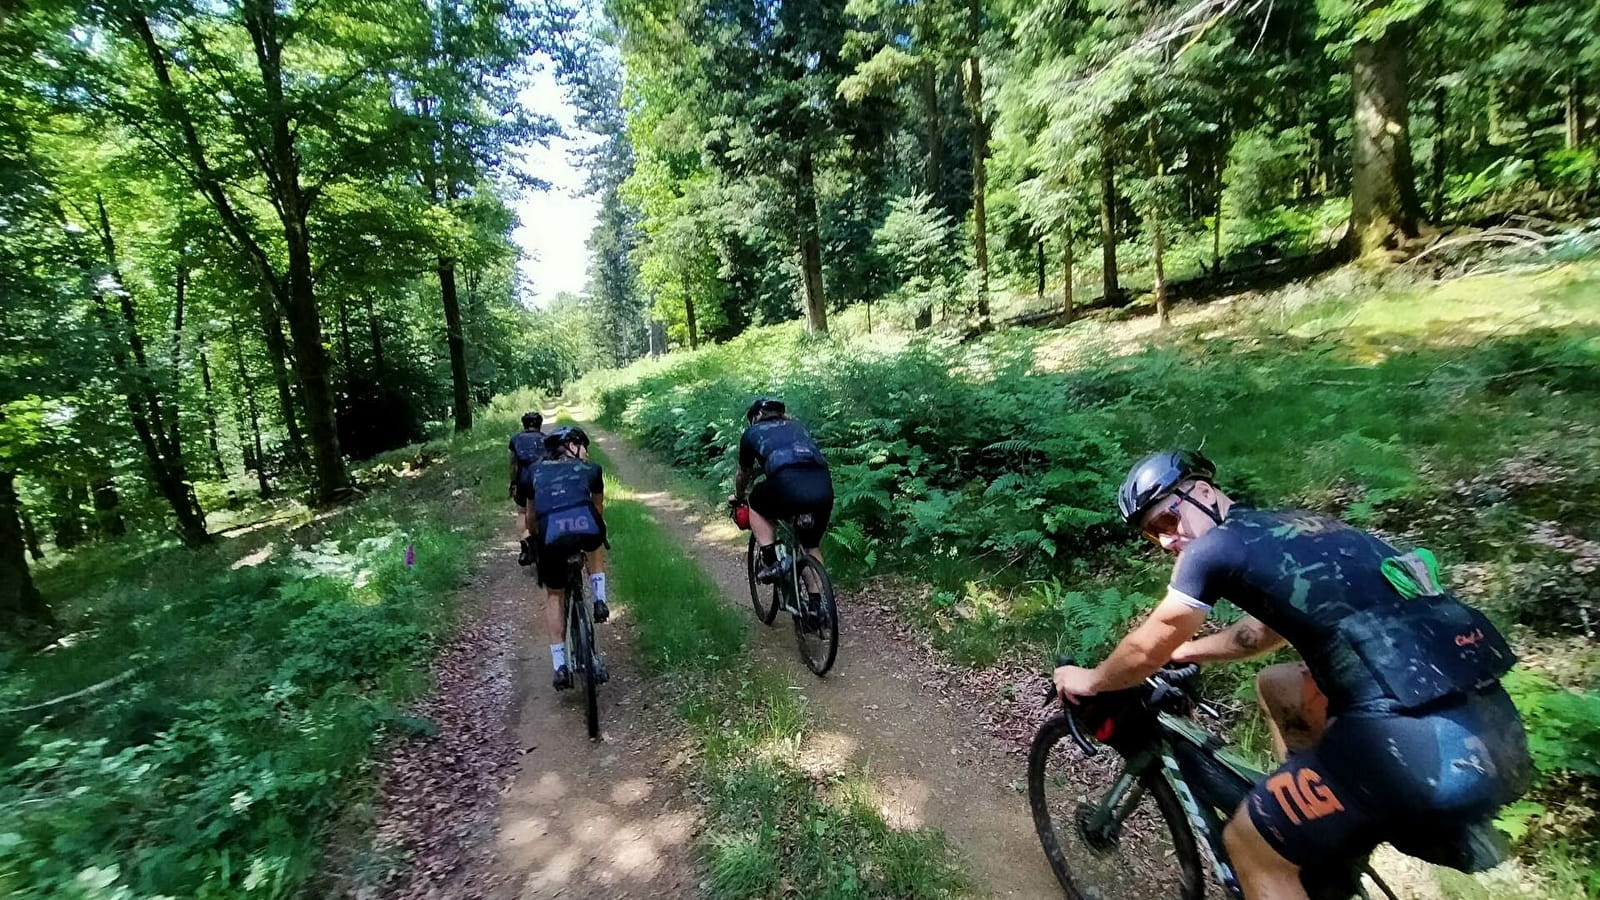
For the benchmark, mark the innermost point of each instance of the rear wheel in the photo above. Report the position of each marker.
(1109, 835)
(582, 659)
(766, 610)
(817, 626)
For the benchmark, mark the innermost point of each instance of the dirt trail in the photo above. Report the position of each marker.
(933, 764)
(590, 819)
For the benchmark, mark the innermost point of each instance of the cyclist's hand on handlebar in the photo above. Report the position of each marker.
(1075, 683)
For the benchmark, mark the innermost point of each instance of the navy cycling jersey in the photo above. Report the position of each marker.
(560, 484)
(528, 447)
(777, 444)
(1319, 583)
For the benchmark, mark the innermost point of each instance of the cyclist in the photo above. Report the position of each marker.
(527, 449)
(796, 484)
(568, 511)
(1394, 728)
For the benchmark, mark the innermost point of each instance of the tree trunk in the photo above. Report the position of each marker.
(1157, 241)
(278, 356)
(933, 176)
(1157, 235)
(810, 245)
(24, 616)
(1216, 221)
(980, 153)
(1108, 226)
(66, 514)
(180, 289)
(211, 411)
(1066, 272)
(376, 330)
(248, 389)
(1575, 113)
(1384, 209)
(1440, 156)
(162, 453)
(688, 315)
(30, 536)
(108, 521)
(293, 204)
(344, 335)
(458, 345)
(1040, 266)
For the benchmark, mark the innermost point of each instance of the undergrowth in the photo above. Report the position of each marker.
(1464, 417)
(257, 679)
(771, 828)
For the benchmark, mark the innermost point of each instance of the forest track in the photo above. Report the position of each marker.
(932, 763)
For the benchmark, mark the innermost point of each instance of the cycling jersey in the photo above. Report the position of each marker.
(564, 514)
(528, 448)
(1319, 583)
(777, 444)
(1420, 734)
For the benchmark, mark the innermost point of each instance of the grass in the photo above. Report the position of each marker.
(772, 828)
(265, 673)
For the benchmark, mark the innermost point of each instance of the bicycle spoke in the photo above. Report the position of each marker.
(1113, 840)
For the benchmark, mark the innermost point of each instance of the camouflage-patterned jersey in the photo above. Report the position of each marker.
(1319, 583)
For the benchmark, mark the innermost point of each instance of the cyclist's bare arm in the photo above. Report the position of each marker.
(1245, 638)
(741, 480)
(1150, 645)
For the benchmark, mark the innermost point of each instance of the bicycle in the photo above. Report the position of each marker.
(583, 660)
(816, 622)
(1195, 783)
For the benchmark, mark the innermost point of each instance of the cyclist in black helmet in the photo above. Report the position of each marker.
(1394, 728)
(795, 485)
(568, 511)
(527, 449)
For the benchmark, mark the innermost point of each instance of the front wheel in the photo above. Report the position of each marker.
(817, 624)
(768, 610)
(1109, 834)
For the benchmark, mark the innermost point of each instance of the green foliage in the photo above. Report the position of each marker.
(259, 689)
(1563, 726)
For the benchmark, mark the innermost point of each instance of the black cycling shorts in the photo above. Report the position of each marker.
(1381, 778)
(788, 493)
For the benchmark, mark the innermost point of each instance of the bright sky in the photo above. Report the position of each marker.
(553, 225)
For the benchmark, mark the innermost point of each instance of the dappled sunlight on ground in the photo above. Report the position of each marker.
(254, 559)
(826, 752)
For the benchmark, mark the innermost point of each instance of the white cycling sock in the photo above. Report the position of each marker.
(597, 581)
(558, 655)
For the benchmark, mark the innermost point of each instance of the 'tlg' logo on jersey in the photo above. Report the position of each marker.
(1303, 795)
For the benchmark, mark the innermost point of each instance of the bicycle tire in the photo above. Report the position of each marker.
(583, 661)
(819, 648)
(1190, 874)
(752, 561)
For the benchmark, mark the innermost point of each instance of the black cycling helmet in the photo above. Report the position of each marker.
(764, 405)
(532, 420)
(566, 434)
(1156, 476)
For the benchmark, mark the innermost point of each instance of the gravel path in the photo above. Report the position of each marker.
(931, 754)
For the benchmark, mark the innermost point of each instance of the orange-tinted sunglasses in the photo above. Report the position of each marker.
(1164, 522)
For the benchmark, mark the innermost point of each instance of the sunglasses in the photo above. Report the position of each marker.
(1164, 522)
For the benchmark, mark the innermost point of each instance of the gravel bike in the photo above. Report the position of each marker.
(583, 659)
(802, 589)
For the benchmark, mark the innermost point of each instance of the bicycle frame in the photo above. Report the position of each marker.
(784, 532)
(1209, 784)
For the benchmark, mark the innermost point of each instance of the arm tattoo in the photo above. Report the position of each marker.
(1250, 635)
